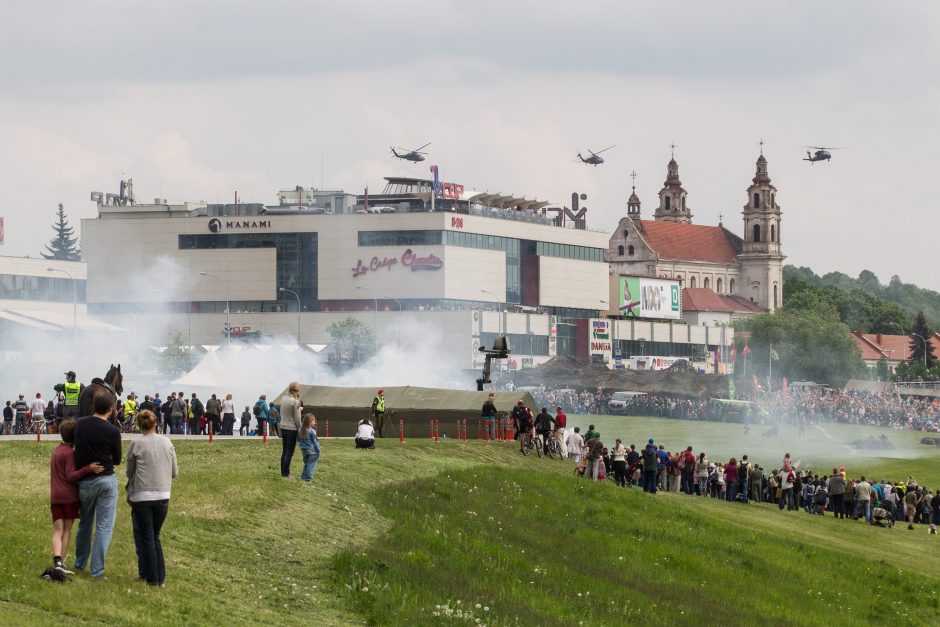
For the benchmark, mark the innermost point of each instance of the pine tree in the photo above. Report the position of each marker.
(920, 340)
(63, 245)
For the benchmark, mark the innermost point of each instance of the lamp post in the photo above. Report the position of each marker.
(74, 305)
(399, 318)
(284, 289)
(375, 315)
(915, 335)
(228, 307)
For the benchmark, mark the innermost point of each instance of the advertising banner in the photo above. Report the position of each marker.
(642, 297)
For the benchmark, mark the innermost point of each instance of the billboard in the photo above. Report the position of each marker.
(641, 297)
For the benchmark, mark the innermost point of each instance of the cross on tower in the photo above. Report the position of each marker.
(673, 147)
(761, 142)
(633, 176)
(720, 217)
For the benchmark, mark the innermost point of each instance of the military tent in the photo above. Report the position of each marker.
(345, 407)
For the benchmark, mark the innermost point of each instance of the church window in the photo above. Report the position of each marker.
(668, 203)
(718, 285)
(773, 233)
(630, 249)
(775, 296)
(756, 201)
(773, 200)
(731, 286)
(756, 232)
(683, 202)
(705, 283)
(626, 233)
(620, 251)
(692, 282)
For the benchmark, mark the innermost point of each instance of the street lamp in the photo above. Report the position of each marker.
(74, 305)
(284, 289)
(915, 335)
(375, 315)
(228, 307)
(399, 317)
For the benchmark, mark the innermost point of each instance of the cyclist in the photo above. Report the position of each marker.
(543, 427)
(521, 419)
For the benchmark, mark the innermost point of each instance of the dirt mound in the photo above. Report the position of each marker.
(566, 372)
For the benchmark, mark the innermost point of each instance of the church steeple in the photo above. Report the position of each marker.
(633, 204)
(762, 259)
(672, 207)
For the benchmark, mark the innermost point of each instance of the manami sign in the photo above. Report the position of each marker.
(641, 297)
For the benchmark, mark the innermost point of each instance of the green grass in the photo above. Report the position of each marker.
(244, 546)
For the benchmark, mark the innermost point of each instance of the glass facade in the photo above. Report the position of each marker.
(40, 288)
(296, 255)
(520, 344)
(569, 251)
(400, 238)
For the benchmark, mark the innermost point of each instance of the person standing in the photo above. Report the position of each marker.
(488, 413)
(836, 489)
(309, 446)
(649, 467)
(151, 468)
(180, 414)
(228, 415)
(245, 426)
(619, 455)
(561, 424)
(595, 450)
(744, 479)
(72, 391)
(575, 444)
(863, 500)
(260, 411)
(210, 411)
(97, 440)
(378, 411)
(8, 419)
(20, 407)
(130, 409)
(37, 408)
(290, 425)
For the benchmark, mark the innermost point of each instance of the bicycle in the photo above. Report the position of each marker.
(553, 448)
(528, 441)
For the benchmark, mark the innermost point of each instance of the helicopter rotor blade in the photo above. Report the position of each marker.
(421, 148)
(604, 150)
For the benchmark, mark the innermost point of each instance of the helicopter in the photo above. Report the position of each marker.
(595, 159)
(411, 155)
(821, 154)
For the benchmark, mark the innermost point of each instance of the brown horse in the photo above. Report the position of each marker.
(112, 385)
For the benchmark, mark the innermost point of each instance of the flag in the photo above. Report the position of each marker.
(773, 353)
(746, 351)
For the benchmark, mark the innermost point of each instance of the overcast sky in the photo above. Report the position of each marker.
(195, 99)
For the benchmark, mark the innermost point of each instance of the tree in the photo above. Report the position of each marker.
(63, 245)
(353, 342)
(178, 358)
(920, 341)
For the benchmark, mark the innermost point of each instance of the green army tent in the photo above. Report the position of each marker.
(345, 407)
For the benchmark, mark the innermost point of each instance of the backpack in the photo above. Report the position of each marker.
(257, 409)
(681, 464)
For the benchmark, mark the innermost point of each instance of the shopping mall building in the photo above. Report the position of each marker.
(460, 266)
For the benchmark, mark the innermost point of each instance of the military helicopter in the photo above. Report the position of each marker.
(821, 154)
(411, 155)
(595, 159)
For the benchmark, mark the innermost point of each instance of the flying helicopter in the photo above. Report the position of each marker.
(595, 159)
(821, 154)
(411, 155)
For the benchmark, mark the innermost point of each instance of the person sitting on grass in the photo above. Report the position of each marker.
(365, 434)
(64, 499)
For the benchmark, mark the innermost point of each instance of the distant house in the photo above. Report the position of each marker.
(894, 349)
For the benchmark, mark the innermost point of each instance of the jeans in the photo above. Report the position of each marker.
(732, 490)
(687, 480)
(310, 465)
(99, 496)
(20, 424)
(178, 425)
(149, 517)
(289, 443)
(745, 490)
(836, 505)
(863, 508)
(595, 467)
(649, 481)
(228, 424)
(786, 498)
(7, 427)
(490, 427)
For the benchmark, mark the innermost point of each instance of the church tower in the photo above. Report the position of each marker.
(633, 203)
(672, 207)
(762, 259)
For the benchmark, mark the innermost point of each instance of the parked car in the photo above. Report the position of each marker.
(620, 402)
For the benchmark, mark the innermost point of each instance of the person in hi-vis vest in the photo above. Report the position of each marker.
(378, 411)
(71, 390)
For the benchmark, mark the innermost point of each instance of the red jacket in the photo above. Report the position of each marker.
(561, 420)
(64, 477)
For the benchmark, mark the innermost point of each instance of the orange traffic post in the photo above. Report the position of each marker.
(437, 427)
(264, 432)
(326, 432)
(479, 434)
(210, 432)
(401, 431)
(38, 440)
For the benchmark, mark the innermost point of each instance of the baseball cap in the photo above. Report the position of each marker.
(70, 373)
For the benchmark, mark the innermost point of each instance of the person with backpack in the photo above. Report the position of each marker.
(260, 411)
(179, 413)
(744, 479)
(197, 411)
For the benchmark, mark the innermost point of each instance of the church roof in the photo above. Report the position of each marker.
(705, 299)
(691, 242)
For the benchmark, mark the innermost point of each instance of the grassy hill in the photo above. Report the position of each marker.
(388, 536)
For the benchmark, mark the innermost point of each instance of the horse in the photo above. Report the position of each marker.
(112, 384)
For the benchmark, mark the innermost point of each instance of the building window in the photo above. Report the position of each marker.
(668, 203)
(683, 202)
(731, 286)
(773, 200)
(630, 249)
(620, 250)
(400, 238)
(718, 285)
(773, 234)
(626, 233)
(692, 282)
(705, 283)
(775, 296)
(756, 232)
(757, 201)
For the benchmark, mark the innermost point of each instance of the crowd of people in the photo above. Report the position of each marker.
(653, 468)
(810, 405)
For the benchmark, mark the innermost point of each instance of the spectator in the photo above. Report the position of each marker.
(290, 424)
(309, 446)
(575, 444)
(365, 435)
(245, 426)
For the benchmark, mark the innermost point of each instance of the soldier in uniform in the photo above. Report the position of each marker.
(378, 411)
(71, 390)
